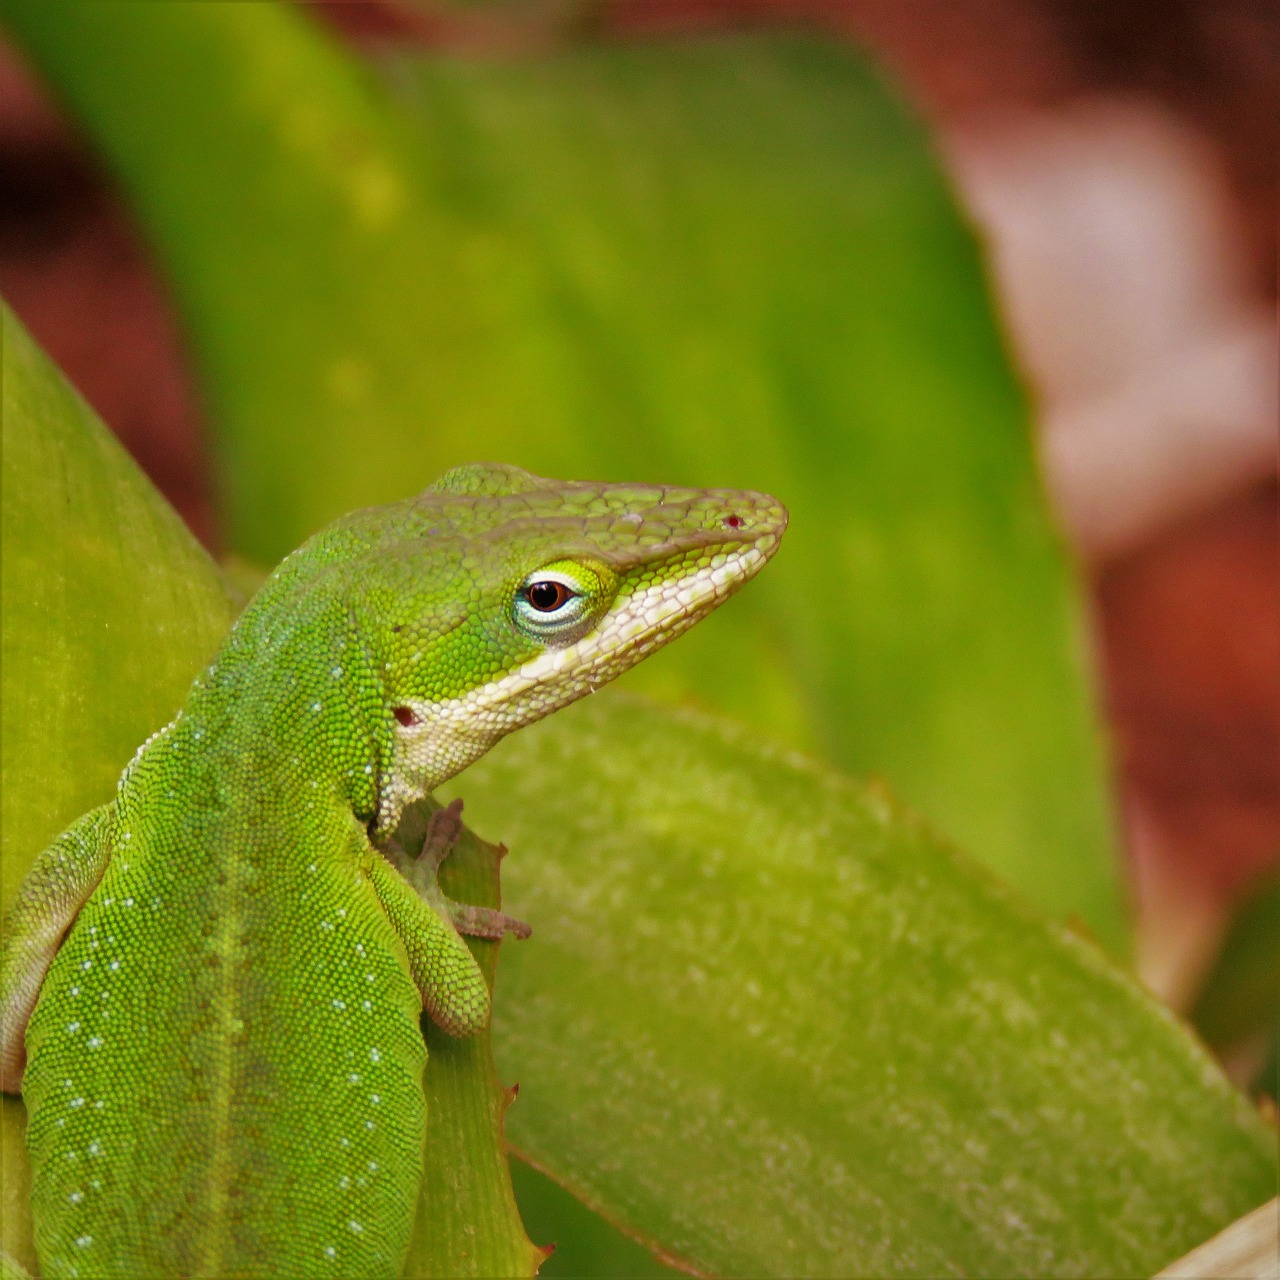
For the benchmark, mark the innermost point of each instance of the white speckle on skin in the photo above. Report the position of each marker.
(76, 1103)
(95, 1042)
(315, 706)
(355, 1227)
(72, 1028)
(353, 1078)
(84, 1241)
(366, 1004)
(115, 964)
(95, 1148)
(368, 1124)
(75, 991)
(76, 1196)
(372, 1166)
(339, 1004)
(330, 1251)
(374, 1055)
(375, 1098)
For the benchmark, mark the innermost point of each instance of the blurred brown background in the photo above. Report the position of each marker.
(1119, 161)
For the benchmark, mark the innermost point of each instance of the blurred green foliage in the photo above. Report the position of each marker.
(715, 262)
(1240, 999)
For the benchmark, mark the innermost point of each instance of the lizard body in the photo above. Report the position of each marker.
(220, 973)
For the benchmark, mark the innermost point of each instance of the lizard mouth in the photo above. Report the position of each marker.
(677, 556)
(643, 618)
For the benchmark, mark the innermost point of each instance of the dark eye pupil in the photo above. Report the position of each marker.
(546, 597)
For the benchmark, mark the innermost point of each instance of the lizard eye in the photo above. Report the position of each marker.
(551, 600)
(546, 595)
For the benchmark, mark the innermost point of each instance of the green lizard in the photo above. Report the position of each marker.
(215, 980)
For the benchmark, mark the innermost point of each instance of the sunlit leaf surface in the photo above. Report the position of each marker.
(101, 579)
(773, 1024)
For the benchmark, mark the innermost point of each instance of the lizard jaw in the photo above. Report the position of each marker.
(442, 738)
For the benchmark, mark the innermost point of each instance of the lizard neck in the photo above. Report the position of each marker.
(288, 709)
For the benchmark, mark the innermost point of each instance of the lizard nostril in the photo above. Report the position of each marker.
(405, 716)
(733, 522)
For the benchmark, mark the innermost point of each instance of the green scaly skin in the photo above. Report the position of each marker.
(220, 973)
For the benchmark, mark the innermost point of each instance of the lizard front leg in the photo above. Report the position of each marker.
(454, 991)
(421, 870)
(57, 886)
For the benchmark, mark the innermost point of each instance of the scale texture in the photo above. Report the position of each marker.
(223, 1065)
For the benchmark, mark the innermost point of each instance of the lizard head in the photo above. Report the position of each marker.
(519, 595)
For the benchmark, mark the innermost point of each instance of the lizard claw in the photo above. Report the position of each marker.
(421, 870)
(484, 922)
(443, 829)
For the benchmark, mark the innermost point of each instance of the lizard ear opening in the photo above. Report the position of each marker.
(405, 716)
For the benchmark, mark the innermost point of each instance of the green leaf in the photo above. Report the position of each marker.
(102, 580)
(719, 262)
(468, 1223)
(771, 1022)
(1241, 997)
(110, 608)
(586, 1246)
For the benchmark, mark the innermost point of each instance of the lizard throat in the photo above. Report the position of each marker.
(450, 735)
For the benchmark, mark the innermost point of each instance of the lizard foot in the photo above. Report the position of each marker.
(444, 827)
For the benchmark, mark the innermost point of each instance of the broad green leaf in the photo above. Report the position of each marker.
(774, 1024)
(102, 580)
(721, 262)
(110, 607)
